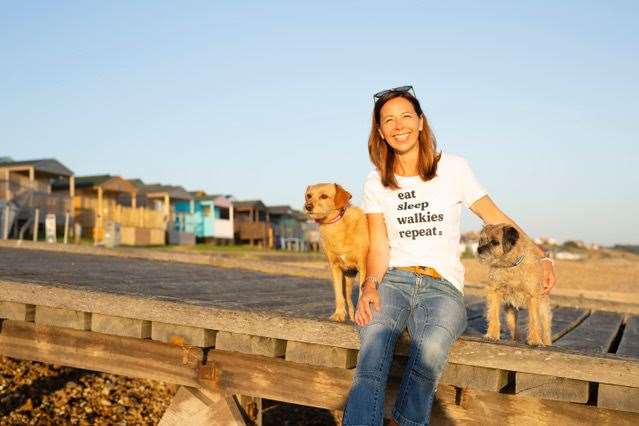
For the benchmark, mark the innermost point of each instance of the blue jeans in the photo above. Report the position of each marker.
(433, 309)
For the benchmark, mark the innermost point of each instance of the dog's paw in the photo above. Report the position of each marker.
(492, 336)
(339, 316)
(534, 342)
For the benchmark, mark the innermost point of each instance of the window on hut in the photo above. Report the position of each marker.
(224, 213)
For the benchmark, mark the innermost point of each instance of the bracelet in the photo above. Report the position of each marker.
(552, 262)
(373, 279)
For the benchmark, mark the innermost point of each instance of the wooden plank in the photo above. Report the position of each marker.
(100, 352)
(261, 376)
(195, 407)
(465, 376)
(550, 361)
(617, 397)
(328, 388)
(467, 350)
(549, 386)
(182, 334)
(327, 356)
(248, 344)
(17, 311)
(594, 335)
(462, 376)
(59, 317)
(629, 344)
(623, 397)
(578, 299)
(478, 407)
(119, 326)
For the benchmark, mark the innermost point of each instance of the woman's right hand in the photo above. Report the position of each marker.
(364, 314)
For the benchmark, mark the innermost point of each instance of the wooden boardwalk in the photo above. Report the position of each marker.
(268, 335)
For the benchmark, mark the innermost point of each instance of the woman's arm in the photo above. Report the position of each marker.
(376, 264)
(486, 209)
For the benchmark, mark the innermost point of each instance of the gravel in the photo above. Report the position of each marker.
(34, 393)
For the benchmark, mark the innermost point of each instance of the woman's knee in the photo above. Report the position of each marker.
(433, 352)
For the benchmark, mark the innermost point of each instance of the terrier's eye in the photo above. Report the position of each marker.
(323, 196)
(308, 196)
(494, 243)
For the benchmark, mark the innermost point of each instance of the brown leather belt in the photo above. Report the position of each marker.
(421, 270)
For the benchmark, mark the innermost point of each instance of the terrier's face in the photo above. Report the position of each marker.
(496, 241)
(322, 199)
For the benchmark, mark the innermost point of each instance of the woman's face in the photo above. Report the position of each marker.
(400, 125)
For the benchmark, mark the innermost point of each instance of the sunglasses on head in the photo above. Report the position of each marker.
(401, 89)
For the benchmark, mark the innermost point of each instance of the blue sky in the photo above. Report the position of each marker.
(262, 98)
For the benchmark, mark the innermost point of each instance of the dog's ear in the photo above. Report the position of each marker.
(509, 238)
(342, 197)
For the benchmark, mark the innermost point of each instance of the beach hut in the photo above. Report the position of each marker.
(209, 217)
(288, 232)
(26, 196)
(105, 199)
(165, 198)
(252, 223)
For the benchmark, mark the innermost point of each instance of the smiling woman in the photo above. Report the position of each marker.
(402, 128)
(414, 277)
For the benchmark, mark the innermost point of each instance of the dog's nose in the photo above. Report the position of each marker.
(308, 206)
(482, 249)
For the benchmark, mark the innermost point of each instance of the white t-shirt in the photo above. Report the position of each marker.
(422, 218)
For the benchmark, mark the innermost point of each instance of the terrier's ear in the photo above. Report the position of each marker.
(509, 238)
(342, 197)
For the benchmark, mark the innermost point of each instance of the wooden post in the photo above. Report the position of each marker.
(72, 195)
(167, 211)
(66, 228)
(98, 222)
(5, 225)
(36, 221)
(200, 407)
(7, 185)
(134, 199)
(31, 176)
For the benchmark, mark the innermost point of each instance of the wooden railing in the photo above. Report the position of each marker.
(252, 230)
(87, 209)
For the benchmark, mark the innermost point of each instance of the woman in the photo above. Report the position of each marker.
(414, 275)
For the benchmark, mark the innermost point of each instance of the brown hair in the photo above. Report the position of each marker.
(383, 156)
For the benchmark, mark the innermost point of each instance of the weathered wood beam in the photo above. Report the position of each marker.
(467, 350)
(100, 352)
(197, 407)
(328, 388)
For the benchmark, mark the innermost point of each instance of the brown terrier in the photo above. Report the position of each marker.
(344, 234)
(516, 280)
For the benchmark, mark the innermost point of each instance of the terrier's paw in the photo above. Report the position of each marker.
(534, 342)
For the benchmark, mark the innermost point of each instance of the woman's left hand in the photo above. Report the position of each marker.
(549, 276)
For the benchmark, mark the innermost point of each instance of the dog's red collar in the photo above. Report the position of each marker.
(342, 211)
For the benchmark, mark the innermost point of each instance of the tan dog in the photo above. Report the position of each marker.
(344, 234)
(516, 280)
